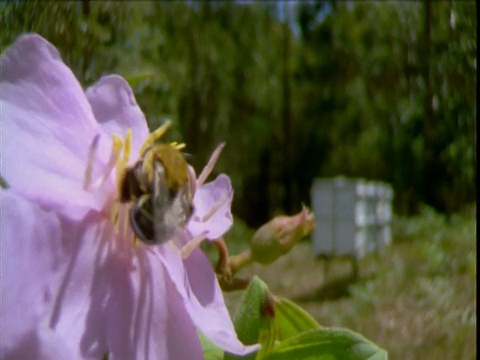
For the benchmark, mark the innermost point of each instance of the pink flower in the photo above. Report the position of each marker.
(74, 283)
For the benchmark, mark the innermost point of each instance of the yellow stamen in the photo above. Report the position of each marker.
(211, 164)
(121, 163)
(114, 213)
(128, 147)
(187, 249)
(87, 178)
(218, 204)
(178, 146)
(116, 147)
(154, 136)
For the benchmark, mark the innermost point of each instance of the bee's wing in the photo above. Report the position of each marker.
(171, 210)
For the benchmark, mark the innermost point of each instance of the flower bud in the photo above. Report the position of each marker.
(279, 235)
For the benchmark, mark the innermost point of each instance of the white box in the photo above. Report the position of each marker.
(352, 216)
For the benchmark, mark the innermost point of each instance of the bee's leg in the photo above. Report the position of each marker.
(141, 202)
(141, 220)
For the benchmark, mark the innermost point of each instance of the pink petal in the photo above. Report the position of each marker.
(115, 108)
(49, 124)
(198, 288)
(93, 292)
(118, 299)
(29, 257)
(145, 316)
(206, 197)
(76, 314)
(42, 344)
(35, 78)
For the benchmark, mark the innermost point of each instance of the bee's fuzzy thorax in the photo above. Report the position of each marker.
(158, 189)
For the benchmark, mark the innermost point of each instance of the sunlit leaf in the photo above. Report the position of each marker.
(291, 319)
(327, 343)
(210, 351)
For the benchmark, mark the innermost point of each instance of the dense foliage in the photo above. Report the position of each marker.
(311, 89)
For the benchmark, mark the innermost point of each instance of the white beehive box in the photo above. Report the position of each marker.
(352, 216)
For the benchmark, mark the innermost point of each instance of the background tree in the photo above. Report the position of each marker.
(382, 90)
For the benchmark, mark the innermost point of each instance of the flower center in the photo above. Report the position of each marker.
(159, 176)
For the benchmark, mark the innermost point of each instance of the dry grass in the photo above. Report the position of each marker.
(417, 299)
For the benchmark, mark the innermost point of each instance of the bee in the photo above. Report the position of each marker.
(161, 191)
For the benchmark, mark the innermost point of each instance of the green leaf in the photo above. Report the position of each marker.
(249, 315)
(210, 351)
(291, 319)
(136, 78)
(266, 337)
(286, 331)
(254, 319)
(327, 343)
